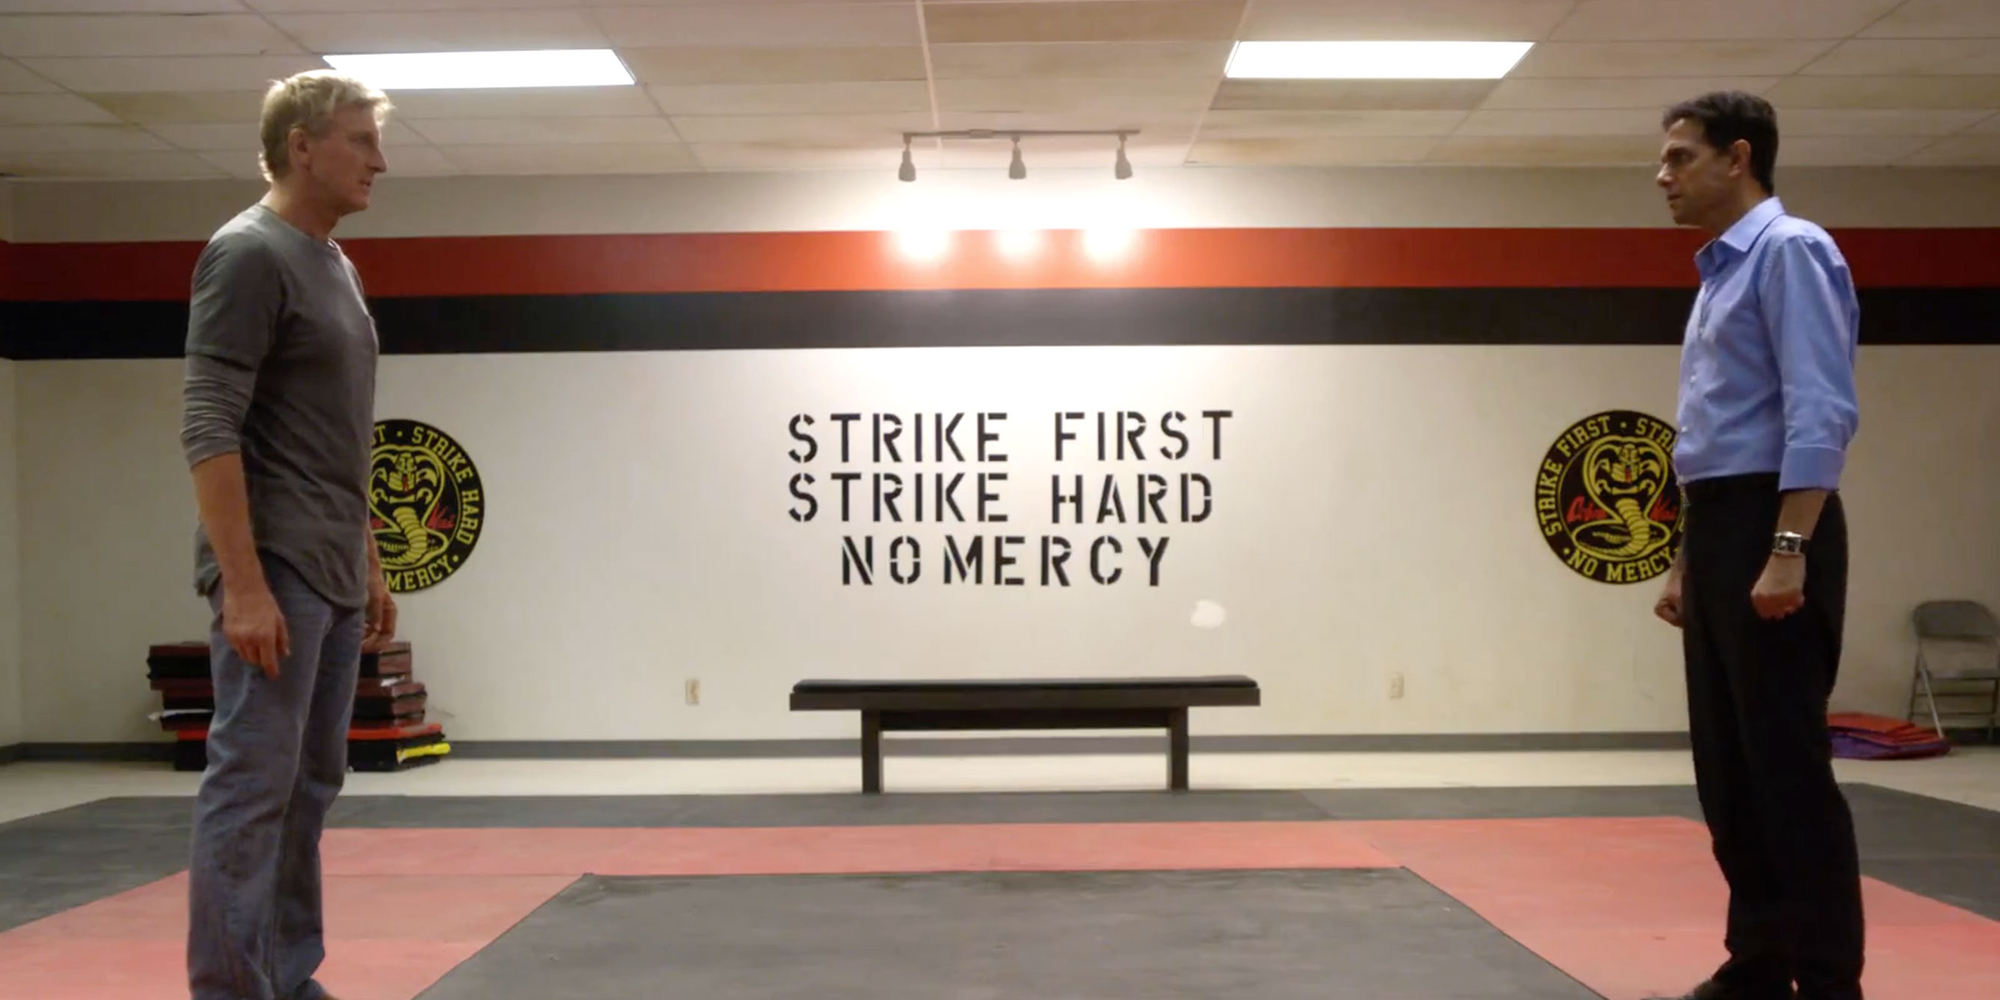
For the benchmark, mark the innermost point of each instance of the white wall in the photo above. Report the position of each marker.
(1373, 507)
(10, 553)
(11, 693)
(1372, 515)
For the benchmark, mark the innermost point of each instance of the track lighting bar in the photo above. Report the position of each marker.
(1017, 168)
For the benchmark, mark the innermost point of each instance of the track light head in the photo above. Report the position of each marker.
(908, 171)
(1017, 169)
(1123, 169)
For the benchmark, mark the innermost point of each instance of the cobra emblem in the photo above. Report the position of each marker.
(406, 490)
(1626, 476)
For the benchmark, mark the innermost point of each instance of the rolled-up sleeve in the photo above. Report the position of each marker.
(233, 308)
(1809, 308)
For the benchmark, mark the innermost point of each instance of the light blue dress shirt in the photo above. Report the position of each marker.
(1767, 362)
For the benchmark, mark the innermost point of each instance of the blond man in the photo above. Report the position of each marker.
(277, 426)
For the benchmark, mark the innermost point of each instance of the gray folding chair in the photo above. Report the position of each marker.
(1958, 646)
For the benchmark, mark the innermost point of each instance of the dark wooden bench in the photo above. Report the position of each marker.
(1075, 703)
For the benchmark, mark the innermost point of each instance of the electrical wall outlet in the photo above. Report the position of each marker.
(1396, 685)
(693, 691)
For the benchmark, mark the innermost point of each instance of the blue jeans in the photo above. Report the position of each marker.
(277, 757)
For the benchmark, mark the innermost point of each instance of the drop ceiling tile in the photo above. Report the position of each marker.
(1298, 124)
(866, 97)
(590, 158)
(1652, 20)
(220, 107)
(1976, 150)
(1372, 20)
(1908, 56)
(623, 130)
(735, 24)
(407, 6)
(241, 137)
(1150, 126)
(757, 156)
(1549, 121)
(1084, 21)
(1571, 150)
(16, 79)
(823, 129)
(526, 102)
(1107, 97)
(1293, 124)
(148, 35)
(120, 7)
(185, 73)
(1886, 92)
(76, 139)
(1060, 153)
(416, 160)
(1358, 95)
(1845, 151)
(1655, 59)
(1309, 152)
(1874, 122)
(775, 64)
(240, 164)
(146, 165)
(1079, 60)
(1648, 93)
(52, 109)
(443, 31)
(1939, 19)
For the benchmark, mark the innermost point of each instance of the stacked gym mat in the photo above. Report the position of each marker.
(389, 731)
(1862, 736)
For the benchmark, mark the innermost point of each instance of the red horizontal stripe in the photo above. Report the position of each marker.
(871, 261)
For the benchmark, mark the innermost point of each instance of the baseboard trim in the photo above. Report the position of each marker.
(93, 752)
(1034, 746)
(939, 746)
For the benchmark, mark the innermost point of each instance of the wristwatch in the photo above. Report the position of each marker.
(1788, 543)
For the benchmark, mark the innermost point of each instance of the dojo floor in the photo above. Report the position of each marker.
(1414, 876)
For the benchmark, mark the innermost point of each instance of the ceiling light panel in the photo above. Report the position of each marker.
(394, 71)
(1417, 60)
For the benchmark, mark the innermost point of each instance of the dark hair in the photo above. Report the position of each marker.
(1728, 115)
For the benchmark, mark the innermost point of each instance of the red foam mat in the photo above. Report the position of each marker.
(1630, 907)
(1635, 907)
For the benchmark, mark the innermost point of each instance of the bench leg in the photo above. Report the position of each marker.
(1177, 749)
(871, 752)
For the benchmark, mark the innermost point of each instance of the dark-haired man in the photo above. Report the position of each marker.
(1767, 409)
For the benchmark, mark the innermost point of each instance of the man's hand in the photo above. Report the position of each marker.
(1781, 590)
(1668, 607)
(381, 617)
(255, 627)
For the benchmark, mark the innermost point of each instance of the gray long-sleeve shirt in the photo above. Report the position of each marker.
(280, 367)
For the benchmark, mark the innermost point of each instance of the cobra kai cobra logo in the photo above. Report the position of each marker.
(1606, 497)
(425, 504)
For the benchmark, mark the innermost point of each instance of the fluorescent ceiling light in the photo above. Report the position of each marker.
(478, 70)
(1374, 60)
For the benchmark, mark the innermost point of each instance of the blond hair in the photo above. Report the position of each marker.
(308, 101)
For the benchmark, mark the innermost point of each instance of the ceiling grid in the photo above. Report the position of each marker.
(170, 88)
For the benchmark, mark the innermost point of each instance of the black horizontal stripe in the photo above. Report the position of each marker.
(1002, 318)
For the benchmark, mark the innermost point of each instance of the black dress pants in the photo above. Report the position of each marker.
(1763, 757)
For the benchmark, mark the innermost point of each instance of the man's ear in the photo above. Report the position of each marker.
(295, 144)
(1739, 158)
